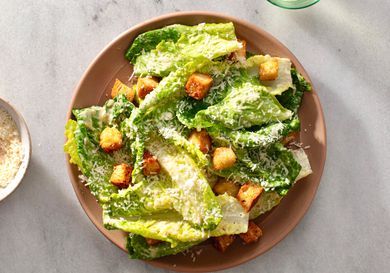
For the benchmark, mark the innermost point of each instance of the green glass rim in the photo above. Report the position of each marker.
(279, 3)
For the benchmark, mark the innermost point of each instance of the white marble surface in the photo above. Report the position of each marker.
(345, 47)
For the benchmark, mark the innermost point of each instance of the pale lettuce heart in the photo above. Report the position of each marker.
(266, 202)
(284, 80)
(301, 157)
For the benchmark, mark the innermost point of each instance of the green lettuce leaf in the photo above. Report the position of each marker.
(266, 202)
(208, 41)
(170, 226)
(259, 138)
(112, 113)
(273, 167)
(147, 196)
(181, 177)
(282, 83)
(246, 105)
(169, 90)
(270, 199)
(301, 157)
(291, 99)
(96, 165)
(70, 146)
(202, 209)
(139, 249)
(173, 136)
(147, 41)
(224, 75)
(235, 221)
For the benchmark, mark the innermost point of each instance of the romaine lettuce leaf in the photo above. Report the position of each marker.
(112, 113)
(70, 146)
(246, 105)
(139, 249)
(291, 99)
(282, 83)
(209, 41)
(95, 164)
(147, 196)
(270, 199)
(169, 90)
(181, 177)
(251, 139)
(301, 157)
(224, 75)
(234, 220)
(147, 41)
(202, 209)
(273, 167)
(171, 227)
(174, 137)
(266, 202)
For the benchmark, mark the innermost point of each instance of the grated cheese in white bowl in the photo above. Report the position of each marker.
(11, 152)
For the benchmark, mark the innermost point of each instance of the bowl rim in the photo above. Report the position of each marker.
(217, 15)
(284, 6)
(26, 146)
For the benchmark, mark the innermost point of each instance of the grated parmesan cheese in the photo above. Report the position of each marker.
(10, 149)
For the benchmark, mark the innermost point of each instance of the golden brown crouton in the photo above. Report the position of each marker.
(201, 140)
(239, 54)
(110, 139)
(248, 194)
(269, 70)
(291, 137)
(152, 242)
(145, 86)
(225, 186)
(150, 164)
(223, 242)
(253, 234)
(198, 85)
(121, 176)
(223, 158)
(120, 88)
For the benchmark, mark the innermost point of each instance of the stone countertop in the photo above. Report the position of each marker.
(344, 46)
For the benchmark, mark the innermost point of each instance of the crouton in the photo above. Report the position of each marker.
(145, 86)
(223, 158)
(121, 88)
(253, 234)
(121, 176)
(152, 242)
(110, 139)
(201, 140)
(269, 70)
(150, 164)
(248, 195)
(198, 85)
(225, 186)
(223, 242)
(239, 54)
(291, 137)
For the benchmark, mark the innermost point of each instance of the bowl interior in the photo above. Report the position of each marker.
(26, 147)
(94, 88)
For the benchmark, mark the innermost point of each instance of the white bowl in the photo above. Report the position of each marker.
(26, 147)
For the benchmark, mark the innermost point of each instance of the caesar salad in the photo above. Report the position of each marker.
(196, 145)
